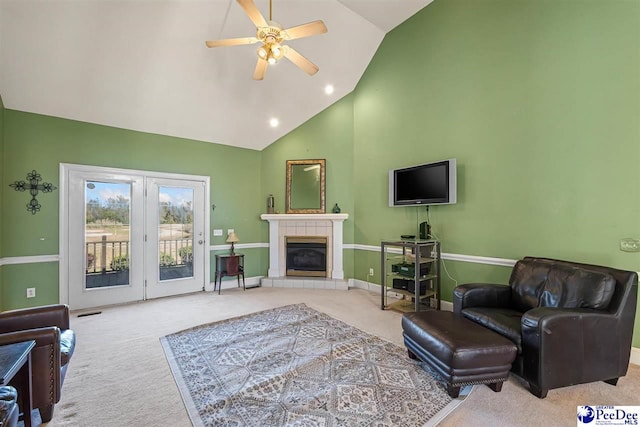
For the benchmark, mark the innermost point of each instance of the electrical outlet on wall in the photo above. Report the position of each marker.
(31, 292)
(371, 271)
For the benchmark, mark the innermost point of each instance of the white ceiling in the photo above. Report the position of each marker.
(143, 64)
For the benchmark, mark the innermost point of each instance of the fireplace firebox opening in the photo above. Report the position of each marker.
(306, 256)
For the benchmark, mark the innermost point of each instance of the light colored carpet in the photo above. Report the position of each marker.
(119, 374)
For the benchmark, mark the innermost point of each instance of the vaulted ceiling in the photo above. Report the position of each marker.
(143, 64)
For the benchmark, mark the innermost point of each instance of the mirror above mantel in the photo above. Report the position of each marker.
(305, 186)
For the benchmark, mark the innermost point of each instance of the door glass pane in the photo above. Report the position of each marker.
(175, 228)
(107, 233)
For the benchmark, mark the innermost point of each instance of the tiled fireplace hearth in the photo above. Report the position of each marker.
(325, 226)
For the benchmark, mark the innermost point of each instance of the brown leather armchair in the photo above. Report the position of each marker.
(572, 323)
(55, 343)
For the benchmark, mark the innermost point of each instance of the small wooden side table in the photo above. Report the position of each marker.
(15, 368)
(229, 265)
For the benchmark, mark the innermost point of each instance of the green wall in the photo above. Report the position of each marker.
(328, 135)
(2, 184)
(522, 94)
(33, 141)
(538, 101)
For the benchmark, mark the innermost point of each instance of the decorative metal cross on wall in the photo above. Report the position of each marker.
(33, 185)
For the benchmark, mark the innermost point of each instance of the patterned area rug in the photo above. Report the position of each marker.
(294, 366)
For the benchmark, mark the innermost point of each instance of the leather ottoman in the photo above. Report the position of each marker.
(460, 351)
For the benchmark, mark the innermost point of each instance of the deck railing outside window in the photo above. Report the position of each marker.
(107, 256)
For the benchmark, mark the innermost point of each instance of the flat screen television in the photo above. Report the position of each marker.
(426, 184)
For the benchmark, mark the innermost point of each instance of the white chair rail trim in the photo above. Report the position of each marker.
(475, 259)
(238, 246)
(453, 257)
(29, 259)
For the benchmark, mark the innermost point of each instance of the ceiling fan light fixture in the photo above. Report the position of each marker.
(271, 59)
(271, 35)
(263, 52)
(275, 52)
(270, 52)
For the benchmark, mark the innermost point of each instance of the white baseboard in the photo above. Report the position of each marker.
(249, 282)
(448, 306)
(635, 356)
(373, 287)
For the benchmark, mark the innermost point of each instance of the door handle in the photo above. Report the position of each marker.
(200, 241)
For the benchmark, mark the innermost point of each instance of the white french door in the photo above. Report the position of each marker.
(175, 237)
(130, 235)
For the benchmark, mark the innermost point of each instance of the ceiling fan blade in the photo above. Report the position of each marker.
(305, 30)
(261, 69)
(302, 62)
(253, 13)
(231, 42)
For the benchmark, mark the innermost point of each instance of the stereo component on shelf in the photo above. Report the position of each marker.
(425, 230)
(409, 269)
(409, 285)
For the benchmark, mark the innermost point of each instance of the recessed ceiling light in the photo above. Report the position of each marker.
(328, 89)
(274, 122)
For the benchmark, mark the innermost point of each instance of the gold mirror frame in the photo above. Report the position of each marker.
(292, 167)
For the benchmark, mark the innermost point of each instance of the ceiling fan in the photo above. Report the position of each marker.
(272, 35)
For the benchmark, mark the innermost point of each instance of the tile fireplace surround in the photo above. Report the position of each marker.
(288, 225)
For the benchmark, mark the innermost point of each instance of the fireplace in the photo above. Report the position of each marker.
(306, 256)
(327, 225)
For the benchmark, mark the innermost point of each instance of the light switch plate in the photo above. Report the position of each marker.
(230, 230)
(217, 232)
